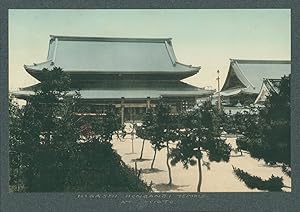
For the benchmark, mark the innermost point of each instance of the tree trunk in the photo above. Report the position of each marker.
(135, 168)
(118, 136)
(168, 165)
(141, 157)
(200, 175)
(152, 164)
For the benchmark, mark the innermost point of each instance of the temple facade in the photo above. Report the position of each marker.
(131, 74)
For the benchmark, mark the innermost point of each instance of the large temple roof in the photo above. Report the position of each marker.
(123, 56)
(247, 75)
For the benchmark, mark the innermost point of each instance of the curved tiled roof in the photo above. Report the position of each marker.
(251, 73)
(113, 55)
(129, 90)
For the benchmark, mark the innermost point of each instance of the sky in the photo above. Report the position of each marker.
(200, 37)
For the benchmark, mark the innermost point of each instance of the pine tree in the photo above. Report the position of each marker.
(156, 130)
(166, 131)
(268, 138)
(44, 141)
(49, 134)
(200, 134)
(144, 131)
(15, 159)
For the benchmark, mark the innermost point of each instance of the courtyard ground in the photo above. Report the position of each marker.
(219, 178)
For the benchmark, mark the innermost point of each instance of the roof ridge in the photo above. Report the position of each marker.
(275, 61)
(272, 79)
(116, 39)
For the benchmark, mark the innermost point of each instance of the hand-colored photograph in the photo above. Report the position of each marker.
(149, 100)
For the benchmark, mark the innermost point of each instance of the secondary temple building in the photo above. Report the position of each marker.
(268, 87)
(246, 80)
(131, 74)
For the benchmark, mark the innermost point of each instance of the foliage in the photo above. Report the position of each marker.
(199, 134)
(160, 124)
(252, 182)
(243, 99)
(167, 127)
(14, 145)
(160, 127)
(144, 131)
(242, 123)
(276, 133)
(48, 134)
(268, 134)
(44, 140)
(101, 127)
(228, 124)
(153, 129)
(100, 169)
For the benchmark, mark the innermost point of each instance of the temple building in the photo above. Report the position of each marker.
(245, 79)
(131, 74)
(268, 87)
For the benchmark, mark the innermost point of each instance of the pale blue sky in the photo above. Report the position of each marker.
(206, 38)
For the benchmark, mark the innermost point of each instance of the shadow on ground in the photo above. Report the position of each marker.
(130, 153)
(140, 160)
(149, 171)
(167, 187)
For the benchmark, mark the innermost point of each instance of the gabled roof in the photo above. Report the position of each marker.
(268, 86)
(272, 84)
(248, 75)
(112, 55)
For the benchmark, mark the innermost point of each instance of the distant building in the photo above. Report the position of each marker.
(245, 78)
(268, 86)
(131, 74)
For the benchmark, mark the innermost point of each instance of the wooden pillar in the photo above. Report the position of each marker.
(130, 113)
(148, 104)
(122, 110)
(133, 114)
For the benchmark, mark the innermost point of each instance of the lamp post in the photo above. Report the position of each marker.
(219, 97)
